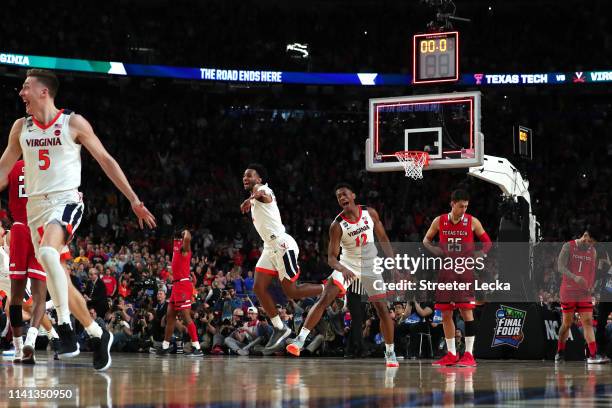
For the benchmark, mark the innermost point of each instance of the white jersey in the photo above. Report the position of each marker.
(357, 242)
(51, 155)
(266, 217)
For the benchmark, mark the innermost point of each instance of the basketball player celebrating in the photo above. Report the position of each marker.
(50, 140)
(577, 262)
(280, 254)
(353, 230)
(180, 299)
(456, 232)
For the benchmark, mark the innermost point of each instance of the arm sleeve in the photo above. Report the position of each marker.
(486, 242)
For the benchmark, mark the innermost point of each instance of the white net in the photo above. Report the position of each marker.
(413, 162)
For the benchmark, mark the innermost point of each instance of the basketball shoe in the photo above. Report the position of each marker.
(69, 347)
(448, 360)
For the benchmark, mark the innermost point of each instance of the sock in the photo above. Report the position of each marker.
(52, 334)
(593, 349)
(57, 282)
(31, 337)
(469, 344)
(165, 344)
(301, 338)
(560, 346)
(193, 332)
(277, 322)
(195, 345)
(18, 343)
(389, 348)
(94, 330)
(450, 346)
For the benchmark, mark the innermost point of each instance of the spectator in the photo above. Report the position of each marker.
(249, 283)
(95, 293)
(252, 333)
(110, 282)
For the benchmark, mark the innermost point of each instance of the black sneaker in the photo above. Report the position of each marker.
(101, 350)
(55, 346)
(277, 338)
(560, 356)
(162, 351)
(69, 347)
(28, 355)
(195, 353)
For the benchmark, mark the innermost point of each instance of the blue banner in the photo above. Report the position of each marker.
(283, 77)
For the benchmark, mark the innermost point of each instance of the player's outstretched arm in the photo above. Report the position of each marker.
(86, 136)
(381, 234)
(11, 153)
(333, 250)
(430, 235)
(186, 241)
(260, 194)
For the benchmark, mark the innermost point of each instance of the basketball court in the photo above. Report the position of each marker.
(215, 381)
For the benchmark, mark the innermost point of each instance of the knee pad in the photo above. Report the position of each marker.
(15, 315)
(48, 255)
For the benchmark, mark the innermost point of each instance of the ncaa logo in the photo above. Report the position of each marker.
(500, 314)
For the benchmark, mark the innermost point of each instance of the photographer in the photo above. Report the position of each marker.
(143, 330)
(146, 285)
(121, 330)
(250, 334)
(206, 329)
(413, 321)
(226, 328)
(230, 301)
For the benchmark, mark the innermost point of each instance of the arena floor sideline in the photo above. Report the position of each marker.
(217, 381)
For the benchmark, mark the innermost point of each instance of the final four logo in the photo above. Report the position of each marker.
(509, 328)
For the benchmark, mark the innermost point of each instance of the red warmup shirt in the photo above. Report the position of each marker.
(180, 262)
(17, 199)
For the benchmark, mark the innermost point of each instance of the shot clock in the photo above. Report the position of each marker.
(435, 57)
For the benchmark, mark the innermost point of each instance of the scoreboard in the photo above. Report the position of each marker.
(435, 57)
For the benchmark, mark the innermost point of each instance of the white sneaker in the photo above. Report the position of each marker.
(18, 356)
(598, 359)
(391, 360)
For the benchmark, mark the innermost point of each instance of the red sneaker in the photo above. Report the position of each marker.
(467, 360)
(293, 350)
(217, 350)
(448, 360)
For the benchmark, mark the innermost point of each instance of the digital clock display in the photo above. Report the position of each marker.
(436, 57)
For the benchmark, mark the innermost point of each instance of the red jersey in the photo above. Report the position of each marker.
(456, 239)
(581, 262)
(180, 262)
(17, 197)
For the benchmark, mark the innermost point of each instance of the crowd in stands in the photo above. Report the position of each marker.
(342, 36)
(184, 148)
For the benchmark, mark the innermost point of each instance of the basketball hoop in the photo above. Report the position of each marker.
(413, 162)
